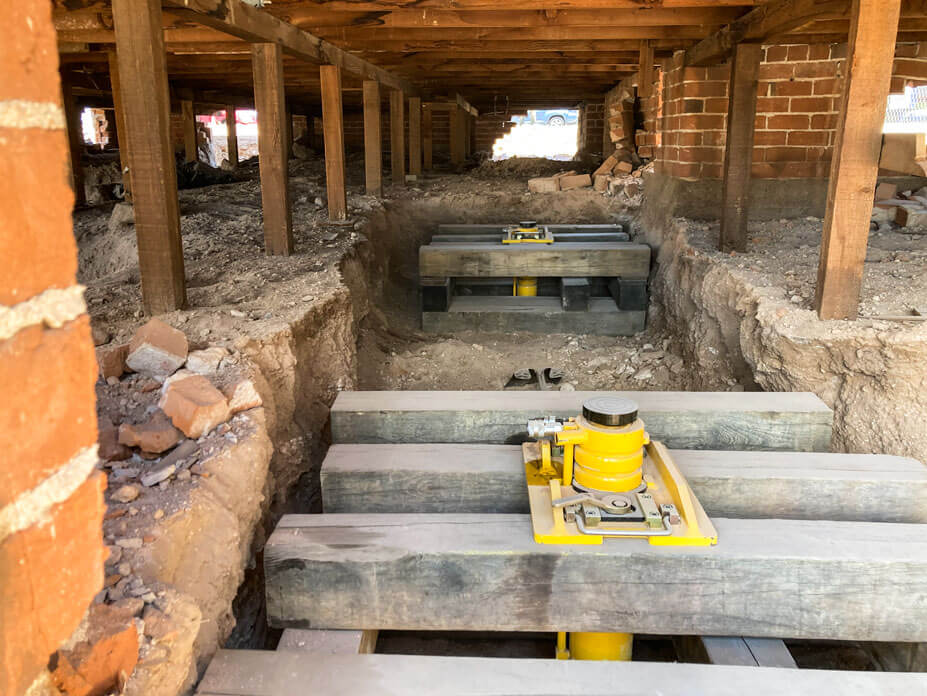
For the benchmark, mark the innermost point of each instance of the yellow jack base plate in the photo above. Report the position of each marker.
(690, 527)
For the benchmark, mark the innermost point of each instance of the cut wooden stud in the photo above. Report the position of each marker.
(267, 63)
(415, 136)
(333, 128)
(645, 74)
(868, 71)
(119, 110)
(231, 126)
(373, 140)
(681, 420)
(738, 150)
(143, 79)
(75, 138)
(458, 135)
(427, 138)
(397, 137)
(188, 115)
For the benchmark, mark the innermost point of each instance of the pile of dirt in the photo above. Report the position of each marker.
(522, 168)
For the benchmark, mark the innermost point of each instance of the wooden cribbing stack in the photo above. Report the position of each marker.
(432, 535)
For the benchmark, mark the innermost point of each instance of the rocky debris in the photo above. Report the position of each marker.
(242, 395)
(574, 181)
(206, 362)
(157, 349)
(112, 360)
(152, 478)
(123, 214)
(194, 405)
(125, 494)
(543, 185)
(108, 447)
(155, 436)
(105, 656)
(100, 335)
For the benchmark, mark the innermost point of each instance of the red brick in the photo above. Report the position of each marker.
(711, 171)
(772, 105)
(760, 122)
(50, 573)
(719, 72)
(645, 151)
(785, 154)
(693, 106)
(706, 89)
(798, 52)
(195, 406)
(714, 138)
(28, 52)
(819, 52)
(770, 137)
(700, 154)
(48, 412)
(37, 207)
(808, 138)
(701, 122)
(776, 53)
(761, 170)
(717, 105)
(691, 171)
(694, 74)
(811, 105)
(686, 139)
(906, 50)
(788, 122)
(911, 69)
(827, 85)
(792, 88)
(818, 69)
(824, 121)
(776, 71)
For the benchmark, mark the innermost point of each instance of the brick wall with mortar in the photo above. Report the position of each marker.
(797, 100)
(51, 505)
(591, 124)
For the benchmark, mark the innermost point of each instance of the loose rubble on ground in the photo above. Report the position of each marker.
(620, 174)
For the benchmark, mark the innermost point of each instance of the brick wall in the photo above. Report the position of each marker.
(591, 128)
(491, 127)
(51, 507)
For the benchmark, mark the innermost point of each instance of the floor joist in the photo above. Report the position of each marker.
(765, 578)
(795, 421)
(456, 478)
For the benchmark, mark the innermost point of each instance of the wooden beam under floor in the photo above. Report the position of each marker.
(415, 136)
(855, 164)
(231, 126)
(267, 61)
(75, 139)
(738, 151)
(188, 117)
(373, 139)
(457, 136)
(119, 110)
(333, 130)
(427, 138)
(397, 137)
(143, 73)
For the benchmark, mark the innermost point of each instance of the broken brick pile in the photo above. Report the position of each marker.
(894, 209)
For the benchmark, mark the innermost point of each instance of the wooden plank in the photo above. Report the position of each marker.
(397, 137)
(682, 420)
(464, 478)
(188, 116)
(738, 151)
(427, 138)
(328, 642)
(373, 143)
(232, 138)
(75, 138)
(765, 578)
(267, 63)
(267, 673)
(543, 315)
(868, 70)
(143, 78)
(770, 652)
(573, 259)
(457, 136)
(415, 136)
(645, 74)
(556, 229)
(496, 238)
(333, 129)
(119, 110)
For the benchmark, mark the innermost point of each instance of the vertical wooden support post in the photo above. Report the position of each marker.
(854, 169)
(457, 135)
(427, 138)
(415, 136)
(468, 133)
(333, 128)
(75, 137)
(738, 150)
(645, 75)
(119, 110)
(188, 114)
(143, 78)
(231, 129)
(267, 65)
(397, 136)
(288, 125)
(373, 138)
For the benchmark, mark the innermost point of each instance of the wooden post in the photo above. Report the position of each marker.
(853, 172)
(189, 130)
(267, 65)
(468, 133)
(333, 128)
(288, 125)
(397, 136)
(738, 151)
(415, 136)
(645, 76)
(119, 110)
(143, 79)
(231, 127)
(373, 143)
(427, 138)
(457, 135)
(75, 138)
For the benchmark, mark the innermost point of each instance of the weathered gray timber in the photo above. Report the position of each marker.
(265, 673)
(796, 421)
(609, 259)
(765, 578)
(328, 642)
(728, 650)
(463, 478)
(533, 314)
(497, 237)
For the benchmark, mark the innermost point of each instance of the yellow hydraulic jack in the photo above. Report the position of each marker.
(610, 481)
(526, 232)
